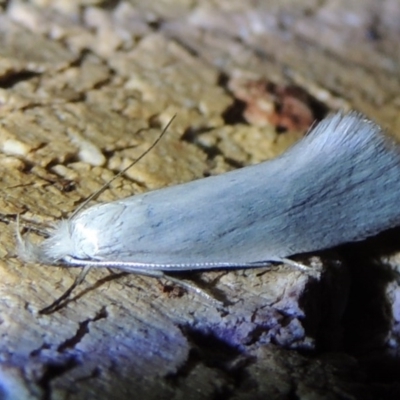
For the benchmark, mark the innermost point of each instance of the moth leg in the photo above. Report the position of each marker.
(176, 281)
(295, 264)
(190, 287)
(58, 302)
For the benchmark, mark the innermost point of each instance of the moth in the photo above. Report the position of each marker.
(340, 183)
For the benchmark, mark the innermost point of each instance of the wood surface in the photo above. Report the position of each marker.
(85, 88)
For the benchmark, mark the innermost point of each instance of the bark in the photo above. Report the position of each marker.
(86, 88)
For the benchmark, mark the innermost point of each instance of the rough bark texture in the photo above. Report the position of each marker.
(85, 87)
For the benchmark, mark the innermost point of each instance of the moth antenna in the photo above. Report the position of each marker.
(120, 173)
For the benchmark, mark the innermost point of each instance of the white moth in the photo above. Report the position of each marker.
(340, 183)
